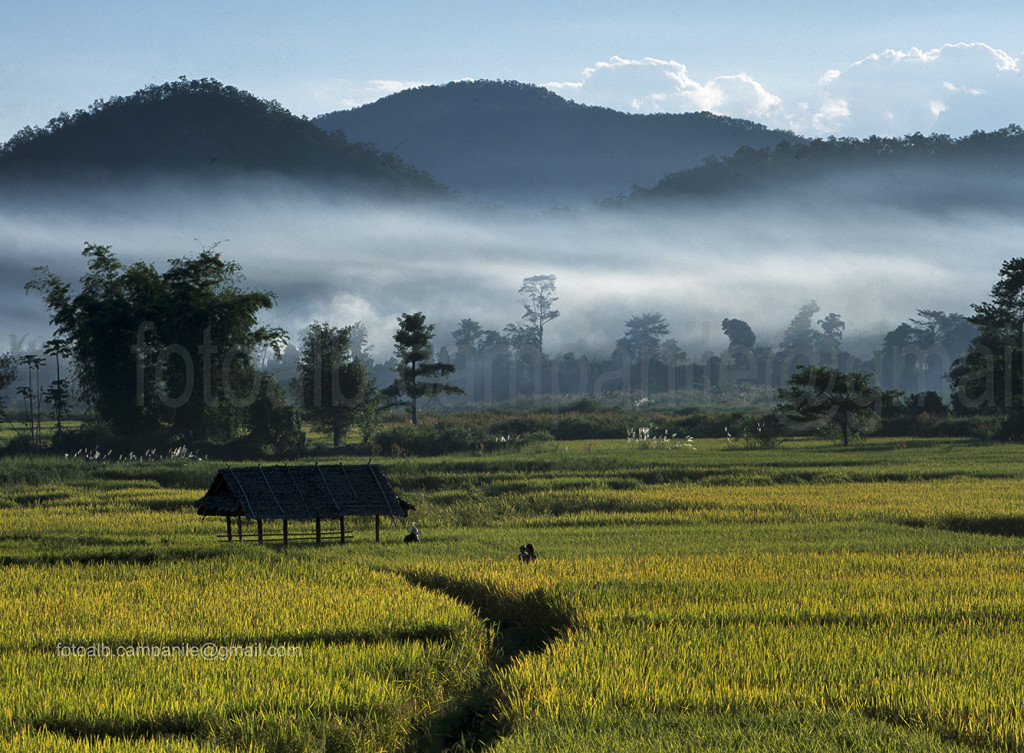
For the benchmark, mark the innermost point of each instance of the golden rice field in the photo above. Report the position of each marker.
(805, 598)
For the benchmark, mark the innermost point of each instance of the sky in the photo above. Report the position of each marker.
(840, 68)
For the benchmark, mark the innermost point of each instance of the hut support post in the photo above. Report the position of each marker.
(376, 526)
(259, 530)
(284, 530)
(318, 531)
(228, 519)
(342, 529)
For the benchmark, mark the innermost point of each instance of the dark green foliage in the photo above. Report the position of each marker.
(642, 339)
(988, 377)
(202, 129)
(414, 352)
(274, 426)
(917, 354)
(332, 386)
(929, 174)
(58, 394)
(162, 352)
(439, 439)
(8, 374)
(739, 333)
(818, 397)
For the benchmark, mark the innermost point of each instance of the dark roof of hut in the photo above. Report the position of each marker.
(300, 492)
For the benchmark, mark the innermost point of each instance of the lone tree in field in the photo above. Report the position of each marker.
(540, 294)
(331, 382)
(817, 396)
(414, 351)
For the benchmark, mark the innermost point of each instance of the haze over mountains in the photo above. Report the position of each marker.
(872, 229)
(510, 143)
(503, 143)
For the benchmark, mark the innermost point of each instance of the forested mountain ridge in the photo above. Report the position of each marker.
(509, 142)
(506, 143)
(200, 129)
(943, 171)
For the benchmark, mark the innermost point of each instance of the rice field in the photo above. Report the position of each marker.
(808, 597)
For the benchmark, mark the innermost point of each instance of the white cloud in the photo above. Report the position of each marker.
(956, 89)
(831, 112)
(651, 85)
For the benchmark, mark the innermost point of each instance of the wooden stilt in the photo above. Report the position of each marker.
(377, 528)
(259, 530)
(342, 529)
(284, 538)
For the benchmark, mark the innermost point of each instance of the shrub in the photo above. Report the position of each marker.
(426, 440)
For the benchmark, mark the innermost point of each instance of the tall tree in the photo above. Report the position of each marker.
(521, 338)
(800, 335)
(540, 300)
(170, 351)
(331, 385)
(58, 395)
(917, 355)
(989, 375)
(741, 336)
(8, 375)
(832, 327)
(741, 361)
(643, 336)
(467, 337)
(818, 396)
(414, 352)
(33, 395)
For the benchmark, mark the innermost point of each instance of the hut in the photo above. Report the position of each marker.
(308, 493)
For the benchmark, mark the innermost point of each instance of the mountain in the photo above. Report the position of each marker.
(203, 130)
(507, 142)
(923, 173)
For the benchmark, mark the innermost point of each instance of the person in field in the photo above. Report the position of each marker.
(414, 534)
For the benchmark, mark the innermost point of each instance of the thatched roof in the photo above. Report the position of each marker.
(301, 492)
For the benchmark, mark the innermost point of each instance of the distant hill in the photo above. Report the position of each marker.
(203, 130)
(924, 173)
(507, 142)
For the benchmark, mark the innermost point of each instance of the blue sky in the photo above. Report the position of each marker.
(849, 68)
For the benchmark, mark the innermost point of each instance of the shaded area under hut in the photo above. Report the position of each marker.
(301, 493)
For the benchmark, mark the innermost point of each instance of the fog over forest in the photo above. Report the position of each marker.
(345, 261)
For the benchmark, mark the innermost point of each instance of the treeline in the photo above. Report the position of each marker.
(180, 356)
(751, 170)
(508, 368)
